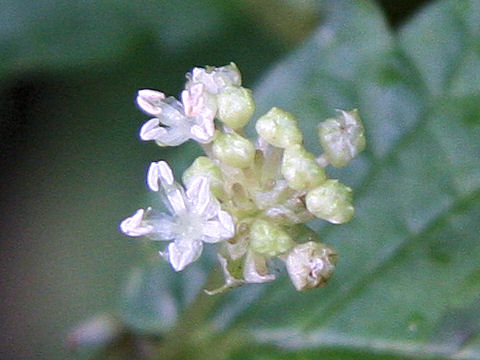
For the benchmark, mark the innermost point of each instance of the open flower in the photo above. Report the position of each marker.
(190, 119)
(195, 217)
(215, 79)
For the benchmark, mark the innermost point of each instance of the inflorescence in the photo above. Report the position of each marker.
(250, 198)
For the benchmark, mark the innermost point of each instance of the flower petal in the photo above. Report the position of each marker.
(203, 133)
(199, 194)
(159, 171)
(173, 113)
(135, 225)
(177, 126)
(175, 199)
(212, 209)
(182, 254)
(173, 137)
(215, 79)
(165, 173)
(201, 108)
(150, 101)
(213, 231)
(152, 176)
(151, 130)
(164, 136)
(193, 100)
(221, 229)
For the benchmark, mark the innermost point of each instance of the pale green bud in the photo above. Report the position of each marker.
(300, 168)
(204, 166)
(233, 149)
(342, 138)
(331, 201)
(235, 106)
(279, 128)
(310, 265)
(269, 239)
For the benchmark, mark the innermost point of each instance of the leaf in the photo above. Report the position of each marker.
(408, 262)
(407, 284)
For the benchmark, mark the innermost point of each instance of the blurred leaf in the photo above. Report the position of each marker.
(52, 34)
(155, 295)
(408, 281)
(287, 19)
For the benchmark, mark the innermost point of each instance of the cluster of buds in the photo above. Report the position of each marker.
(250, 198)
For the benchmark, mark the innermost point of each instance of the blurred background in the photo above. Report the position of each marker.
(72, 166)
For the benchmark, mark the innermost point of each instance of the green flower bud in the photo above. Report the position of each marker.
(269, 239)
(279, 128)
(233, 149)
(342, 138)
(204, 166)
(331, 201)
(235, 106)
(300, 168)
(310, 265)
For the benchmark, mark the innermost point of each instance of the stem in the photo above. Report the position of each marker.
(178, 341)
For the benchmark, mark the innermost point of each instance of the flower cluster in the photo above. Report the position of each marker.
(250, 198)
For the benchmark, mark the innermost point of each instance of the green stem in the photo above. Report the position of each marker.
(177, 343)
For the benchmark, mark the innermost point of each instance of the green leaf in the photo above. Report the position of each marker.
(407, 285)
(405, 259)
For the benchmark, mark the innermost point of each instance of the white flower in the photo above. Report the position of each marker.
(215, 79)
(195, 217)
(190, 119)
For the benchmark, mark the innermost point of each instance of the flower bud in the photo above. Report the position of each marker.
(204, 166)
(269, 239)
(331, 201)
(310, 265)
(235, 106)
(233, 149)
(342, 138)
(279, 128)
(300, 168)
